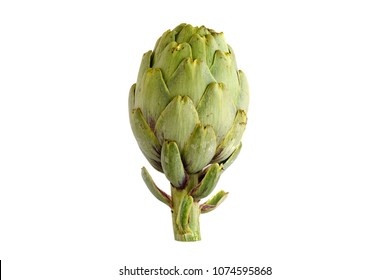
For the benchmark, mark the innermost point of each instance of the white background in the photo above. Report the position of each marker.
(309, 193)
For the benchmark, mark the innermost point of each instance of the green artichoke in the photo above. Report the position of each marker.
(188, 114)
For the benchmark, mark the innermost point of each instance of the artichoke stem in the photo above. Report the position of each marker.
(185, 214)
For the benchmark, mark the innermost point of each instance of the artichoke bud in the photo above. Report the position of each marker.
(189, 91)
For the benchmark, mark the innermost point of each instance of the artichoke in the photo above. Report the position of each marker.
(188, 112)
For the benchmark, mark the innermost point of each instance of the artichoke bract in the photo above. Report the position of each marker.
(188, 112)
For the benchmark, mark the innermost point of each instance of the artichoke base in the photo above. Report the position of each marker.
(184, 201)
(185, 215)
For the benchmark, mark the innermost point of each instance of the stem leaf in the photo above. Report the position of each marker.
(184, 214)
(208, 183)
(159, 194)
(213, 202)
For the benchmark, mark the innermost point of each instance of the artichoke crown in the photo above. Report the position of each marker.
(188, 107)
